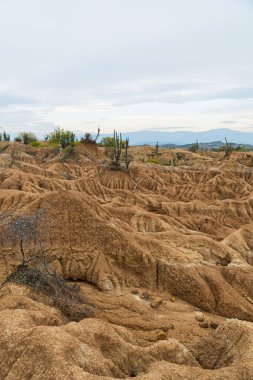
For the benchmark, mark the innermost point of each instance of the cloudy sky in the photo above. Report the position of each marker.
(126, 64)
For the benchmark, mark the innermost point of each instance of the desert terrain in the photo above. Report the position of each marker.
(162, 257)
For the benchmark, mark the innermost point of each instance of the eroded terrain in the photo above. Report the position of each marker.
(151, 250)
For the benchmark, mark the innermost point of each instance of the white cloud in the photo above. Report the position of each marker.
(130, 64)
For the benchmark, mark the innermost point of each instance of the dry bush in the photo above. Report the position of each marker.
(38, 275)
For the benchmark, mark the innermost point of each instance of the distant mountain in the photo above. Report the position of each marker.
(186, 137)
(213, 145)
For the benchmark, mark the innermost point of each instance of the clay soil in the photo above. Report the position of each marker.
(162, 256)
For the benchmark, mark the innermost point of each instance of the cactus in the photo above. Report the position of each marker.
(156, 148)
(194, 147)
(98, 133)
(117, 148)
(128, 159)
(228, 149)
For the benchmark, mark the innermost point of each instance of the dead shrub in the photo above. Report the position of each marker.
(38, 275)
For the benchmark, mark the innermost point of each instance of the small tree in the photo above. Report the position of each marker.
(26, 137)
(62, 137)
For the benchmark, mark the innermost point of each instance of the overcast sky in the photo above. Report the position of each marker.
(126, 64)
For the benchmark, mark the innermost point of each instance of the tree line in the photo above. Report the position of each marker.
(116, 147)
(62, 137)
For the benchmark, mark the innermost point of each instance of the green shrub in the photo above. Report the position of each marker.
(61, 137)
(154, 161)
(36, 144)
(162, 161)
(26, 137)
(109, 142)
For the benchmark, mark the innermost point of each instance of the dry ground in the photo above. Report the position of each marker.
(149, 248)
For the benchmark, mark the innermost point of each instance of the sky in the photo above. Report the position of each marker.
(126, 64)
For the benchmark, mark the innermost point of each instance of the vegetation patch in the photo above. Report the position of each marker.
(162, 161)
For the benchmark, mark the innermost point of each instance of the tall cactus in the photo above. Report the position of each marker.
(156, 148)
(128, 159)
(98, 133)
(228, 149)
(117, 148)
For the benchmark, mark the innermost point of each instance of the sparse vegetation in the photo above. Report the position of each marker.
(36, 144)
(107, 142)
(107, 238)
(4, 136)
(154, 161)
(194, 147)
(26, 138)
(87, 138)
(61, 137)
(162, 161)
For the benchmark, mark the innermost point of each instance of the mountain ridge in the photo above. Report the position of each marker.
(187, 137)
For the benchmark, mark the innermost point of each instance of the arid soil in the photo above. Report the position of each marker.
(162, 254)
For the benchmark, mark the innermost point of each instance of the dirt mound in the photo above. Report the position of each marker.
(181, 231)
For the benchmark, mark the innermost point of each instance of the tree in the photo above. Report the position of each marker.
(26, 137)
(62, 137)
